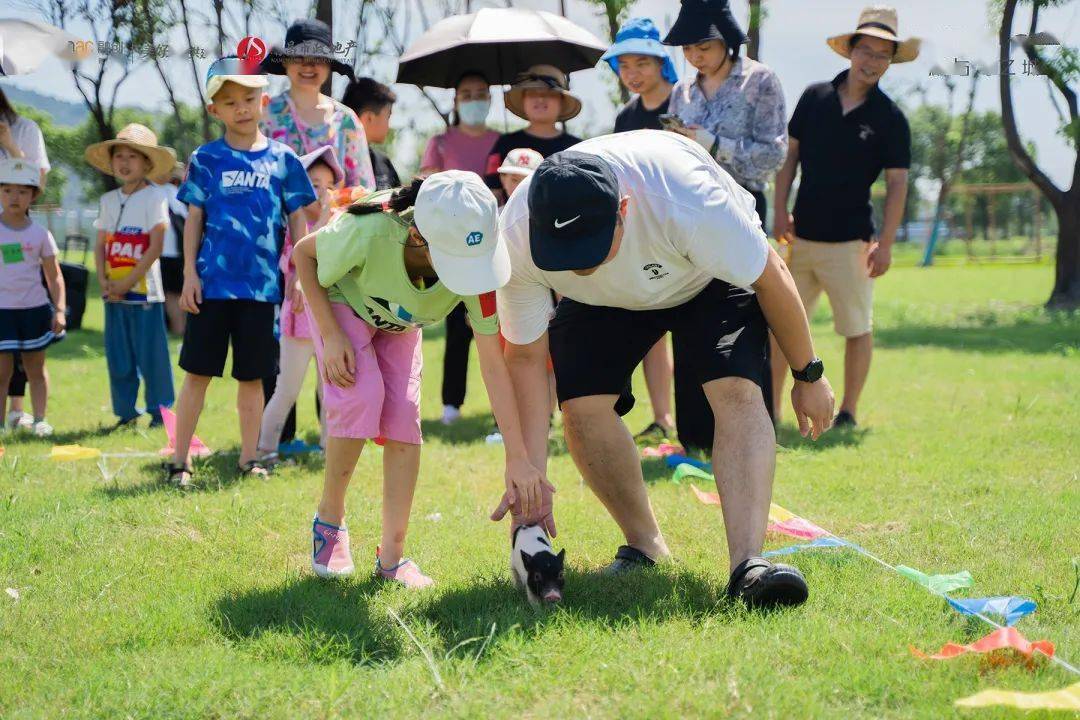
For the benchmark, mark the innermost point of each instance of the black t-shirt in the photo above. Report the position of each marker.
(386, 176)
(522, 139)
(840, 157)
(634, 116)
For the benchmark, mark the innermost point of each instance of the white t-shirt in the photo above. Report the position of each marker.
(688, 222)
(127, 221)
(171, 246)
(28, 138)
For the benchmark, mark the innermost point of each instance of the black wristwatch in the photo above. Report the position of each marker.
(811, 373)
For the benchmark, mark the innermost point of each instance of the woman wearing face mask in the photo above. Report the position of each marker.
(465, 145)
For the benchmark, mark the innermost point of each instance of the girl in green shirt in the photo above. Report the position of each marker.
(373, 278)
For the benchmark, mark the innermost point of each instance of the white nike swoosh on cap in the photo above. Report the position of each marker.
(566, 222)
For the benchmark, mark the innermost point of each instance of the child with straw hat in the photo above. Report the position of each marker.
(131, 233)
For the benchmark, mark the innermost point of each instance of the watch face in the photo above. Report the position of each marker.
(814, 371)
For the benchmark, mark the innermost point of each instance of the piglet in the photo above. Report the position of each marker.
(535, 566)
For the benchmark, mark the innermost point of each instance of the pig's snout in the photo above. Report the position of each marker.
(552, 596)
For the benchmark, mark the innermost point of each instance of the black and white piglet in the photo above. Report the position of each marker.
(535, 566)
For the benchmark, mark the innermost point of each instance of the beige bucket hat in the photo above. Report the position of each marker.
(137, 137)
(542, 77)
(878, 21)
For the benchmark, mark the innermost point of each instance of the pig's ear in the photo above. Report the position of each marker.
(526, 558)
(561, 556)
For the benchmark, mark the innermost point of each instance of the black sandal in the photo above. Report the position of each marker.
(628, 559)
(179, 475)
(254, 468)
(762, 584)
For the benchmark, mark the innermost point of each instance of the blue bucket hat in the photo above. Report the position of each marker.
(639, 36)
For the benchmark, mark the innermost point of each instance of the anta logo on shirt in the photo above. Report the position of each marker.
(655, 271)
(238, 179)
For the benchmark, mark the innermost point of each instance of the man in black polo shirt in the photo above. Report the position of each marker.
(841, 135)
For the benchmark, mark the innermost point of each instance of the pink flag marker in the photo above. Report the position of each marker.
(797, 527)
(662, 450)
(709, 498)
(197, 448)
(1000, 639)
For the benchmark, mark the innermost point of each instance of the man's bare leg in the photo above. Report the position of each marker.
(607, 458)
(744, 452)
(780, 372)
(857, 354)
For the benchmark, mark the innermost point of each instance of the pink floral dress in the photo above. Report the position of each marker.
(344, 133)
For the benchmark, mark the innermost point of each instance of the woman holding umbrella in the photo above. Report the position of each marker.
(465, 145)
(305, 119)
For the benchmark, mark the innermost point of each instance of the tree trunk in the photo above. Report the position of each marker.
(753, 47)
(324, 10)
(1066, 293)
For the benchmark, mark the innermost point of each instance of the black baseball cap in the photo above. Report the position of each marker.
(573, 209)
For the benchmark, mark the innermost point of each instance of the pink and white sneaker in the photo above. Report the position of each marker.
(330, 556)
(405, 572)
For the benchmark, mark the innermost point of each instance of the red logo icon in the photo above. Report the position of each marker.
(252, 49)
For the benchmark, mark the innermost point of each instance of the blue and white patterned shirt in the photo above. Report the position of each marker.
(247, 197)
(747, 116)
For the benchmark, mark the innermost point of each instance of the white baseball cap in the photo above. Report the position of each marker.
(457, 215)
(521, 161)
(17, 171)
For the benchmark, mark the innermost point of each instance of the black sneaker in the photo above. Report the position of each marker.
(654, 433)
(762, 584)
(844, 420)
(628, 559)
(121, 424)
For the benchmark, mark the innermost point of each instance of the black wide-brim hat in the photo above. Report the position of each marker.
(703, 20)
(305, 38)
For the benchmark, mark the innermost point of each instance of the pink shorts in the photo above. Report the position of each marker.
(385, 400)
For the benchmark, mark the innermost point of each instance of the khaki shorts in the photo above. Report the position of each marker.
(838, 268)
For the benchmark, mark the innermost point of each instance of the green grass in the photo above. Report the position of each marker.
(137, 601)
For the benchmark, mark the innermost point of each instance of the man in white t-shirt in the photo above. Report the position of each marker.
(643, 233)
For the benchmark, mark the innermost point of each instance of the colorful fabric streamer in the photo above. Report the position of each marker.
(662, 450)
(687, 470)
(778, 514)
(68, 453)
(938, 584)
(197, 448)
(1004, 638)
(1064, 699)
(815, 544)
(1012, 608)
(797, 527)
(676, 460)
(707, 498)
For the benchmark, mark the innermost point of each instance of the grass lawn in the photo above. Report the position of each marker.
(138, 601)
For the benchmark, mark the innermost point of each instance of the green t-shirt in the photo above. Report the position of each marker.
(361, 262)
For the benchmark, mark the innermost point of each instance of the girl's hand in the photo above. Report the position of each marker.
(59, 323)
(339, 360)
(191, 295)
(297, 298)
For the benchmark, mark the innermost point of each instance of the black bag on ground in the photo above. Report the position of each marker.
(76, 279)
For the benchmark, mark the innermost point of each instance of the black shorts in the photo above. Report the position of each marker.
(250, 326)
(595, 349)
(172, 274)
(27, 329)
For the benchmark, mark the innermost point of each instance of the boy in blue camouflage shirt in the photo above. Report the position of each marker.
(241, 192)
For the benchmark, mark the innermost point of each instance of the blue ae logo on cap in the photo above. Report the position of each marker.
(474, 238)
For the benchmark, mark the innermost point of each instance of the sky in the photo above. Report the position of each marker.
(793, 44)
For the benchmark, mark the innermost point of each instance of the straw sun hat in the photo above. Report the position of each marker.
(141, 139)
(878, 21)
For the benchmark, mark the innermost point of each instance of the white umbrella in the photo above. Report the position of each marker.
(24, 44)
(500, 43)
